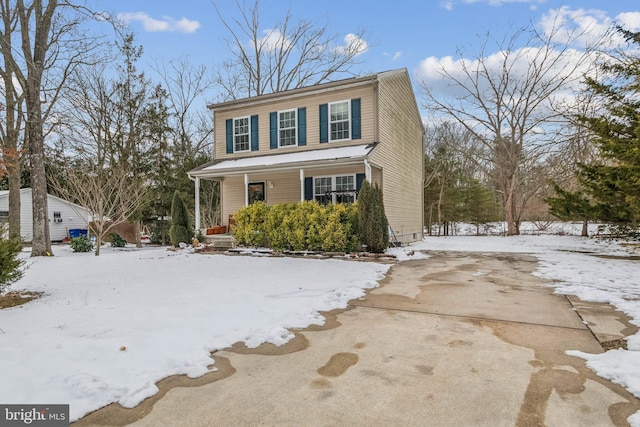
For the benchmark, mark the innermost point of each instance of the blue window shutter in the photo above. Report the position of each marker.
(254, 133)
(324, 123)
(273, 130)
(302, 126)
(356, 132)
(360, 177)
(308, 188)
(229, 124)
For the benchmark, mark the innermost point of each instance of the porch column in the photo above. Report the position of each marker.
(197, 203)
(367, 171)
(246, 189)
(302, 185)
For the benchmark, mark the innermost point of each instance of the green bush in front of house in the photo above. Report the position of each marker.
(298, 226)
(372, 221)
(81, 244)
(250, 224)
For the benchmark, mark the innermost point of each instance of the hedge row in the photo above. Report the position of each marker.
(299, 226)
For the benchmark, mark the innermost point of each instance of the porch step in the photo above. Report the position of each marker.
(220, 241)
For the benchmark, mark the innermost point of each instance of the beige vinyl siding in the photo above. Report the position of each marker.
(312, 104)
(400, 155)
(232, 196)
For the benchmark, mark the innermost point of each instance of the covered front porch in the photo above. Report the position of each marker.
(332, 175)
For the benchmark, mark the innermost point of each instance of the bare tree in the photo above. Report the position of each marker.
(508, 100)
(11, 128)
(110, 195)
(50, 47)
(285, 56)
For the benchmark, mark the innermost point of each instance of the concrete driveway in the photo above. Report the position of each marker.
(460, 339)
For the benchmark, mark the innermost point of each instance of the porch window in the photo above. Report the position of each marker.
(339, 113)
(287, 128)
(241, 134)
(335, 189)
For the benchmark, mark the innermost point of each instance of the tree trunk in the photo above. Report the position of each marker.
(137, 230)
(14, 206)
(585, 228)
(41, 243)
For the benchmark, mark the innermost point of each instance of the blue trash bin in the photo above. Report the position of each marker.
(77, 232)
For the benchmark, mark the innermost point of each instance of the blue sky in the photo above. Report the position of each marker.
(400, 34)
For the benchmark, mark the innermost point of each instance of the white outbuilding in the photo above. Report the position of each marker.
(63, 215)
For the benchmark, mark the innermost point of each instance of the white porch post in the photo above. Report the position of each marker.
(302, 185)
(246, 189)
(197, 203)
(367, 170)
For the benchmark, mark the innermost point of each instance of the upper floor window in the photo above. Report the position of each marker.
(339, 119)
(241, 134)
(287, 128)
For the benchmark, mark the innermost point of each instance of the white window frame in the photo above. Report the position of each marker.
(348, 121)
(235, 144)
(294, 128)
(333, 185)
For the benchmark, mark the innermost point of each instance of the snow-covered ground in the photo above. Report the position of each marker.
(109, 327)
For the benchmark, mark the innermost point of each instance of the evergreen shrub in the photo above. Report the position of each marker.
(304, 226)
(179, 230)
(117, 241)
(81, 244)
(9, 263)
(372, 221)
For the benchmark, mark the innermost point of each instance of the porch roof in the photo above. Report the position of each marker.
(273, 162)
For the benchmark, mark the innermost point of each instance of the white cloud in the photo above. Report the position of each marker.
(166, 24)
(354, 43)
(629, 20)
(273, 40)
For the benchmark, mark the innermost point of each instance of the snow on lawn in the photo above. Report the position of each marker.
(109, 327)
(576, 266)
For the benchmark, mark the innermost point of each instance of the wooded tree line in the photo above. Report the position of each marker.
(513, 146)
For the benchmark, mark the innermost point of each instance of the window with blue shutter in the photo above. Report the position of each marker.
(273, 130)
(254, 133)
(356, 131)
(229, 133)
(302, 126)
(308, 188)
(360, 177)
(324, 123)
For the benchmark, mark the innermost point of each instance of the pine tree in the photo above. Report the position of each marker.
(372, 221)
(612, 188)
(179, 231)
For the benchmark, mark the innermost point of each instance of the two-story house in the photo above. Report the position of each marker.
(320, 143)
